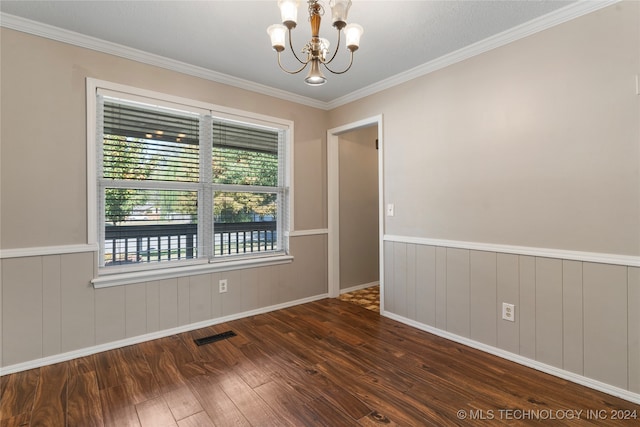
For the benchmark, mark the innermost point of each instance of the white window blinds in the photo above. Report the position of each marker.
(178, 185)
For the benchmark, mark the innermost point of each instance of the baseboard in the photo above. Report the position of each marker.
(358, 287)
(548, 369)
(63, 357)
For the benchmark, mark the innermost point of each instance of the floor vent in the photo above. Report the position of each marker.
(214, 338)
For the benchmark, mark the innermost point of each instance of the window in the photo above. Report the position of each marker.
(179, 184)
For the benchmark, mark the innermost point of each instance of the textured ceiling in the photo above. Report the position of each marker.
(230, 37)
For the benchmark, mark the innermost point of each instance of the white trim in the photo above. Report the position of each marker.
(289, 181)
(333, 214)
(87, 351)
(552, 370)
(627, 260)
(350, 127)
(90, 144)
(333, 198)
(381, 210)
(311, 232)
(120, 279)
(572, 11)
(557, 17)
(359, 287)
(47, 250)
(118, 89)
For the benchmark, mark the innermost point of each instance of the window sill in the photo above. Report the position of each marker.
(119, 279)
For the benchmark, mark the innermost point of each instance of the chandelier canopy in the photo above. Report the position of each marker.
(317, 49)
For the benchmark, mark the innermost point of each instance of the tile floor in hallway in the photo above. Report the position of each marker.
(368, 298)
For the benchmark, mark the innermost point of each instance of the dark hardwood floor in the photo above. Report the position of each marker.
(323, 363)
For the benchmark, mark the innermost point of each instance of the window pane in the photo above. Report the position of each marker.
(242, 167)
(244, 155)
(149, 225)
(149, 144)
(244, 136)
(244, 222)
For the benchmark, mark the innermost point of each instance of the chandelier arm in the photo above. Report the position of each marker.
(343, 71)
(334, 53)
(304, 65)
(294, 52)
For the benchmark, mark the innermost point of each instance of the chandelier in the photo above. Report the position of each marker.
(317, 49)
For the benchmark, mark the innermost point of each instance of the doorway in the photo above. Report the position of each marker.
(354, 163)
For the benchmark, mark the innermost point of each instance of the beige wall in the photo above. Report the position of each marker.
(532, 144)
(44, 137)
(48, 304)
(359, 231)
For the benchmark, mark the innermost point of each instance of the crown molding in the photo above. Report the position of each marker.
(569, 12)
(76, 39)
(560, 16)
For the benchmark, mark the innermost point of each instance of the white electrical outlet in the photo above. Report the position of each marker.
(508, 312)
(223, 285)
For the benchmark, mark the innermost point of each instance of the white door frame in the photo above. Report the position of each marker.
(333, 200)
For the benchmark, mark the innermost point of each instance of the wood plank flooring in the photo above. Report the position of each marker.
(326, 363)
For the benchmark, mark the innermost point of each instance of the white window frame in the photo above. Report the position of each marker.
(114, 276)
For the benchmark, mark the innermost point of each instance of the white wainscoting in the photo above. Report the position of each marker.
(51, 311)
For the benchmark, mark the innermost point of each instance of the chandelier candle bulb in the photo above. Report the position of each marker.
(353, 33)
(277, 32)
(324, 49)
(339, 12)
(289, 12)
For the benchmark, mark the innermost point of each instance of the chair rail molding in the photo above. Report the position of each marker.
(602, 258)
(47, 250)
